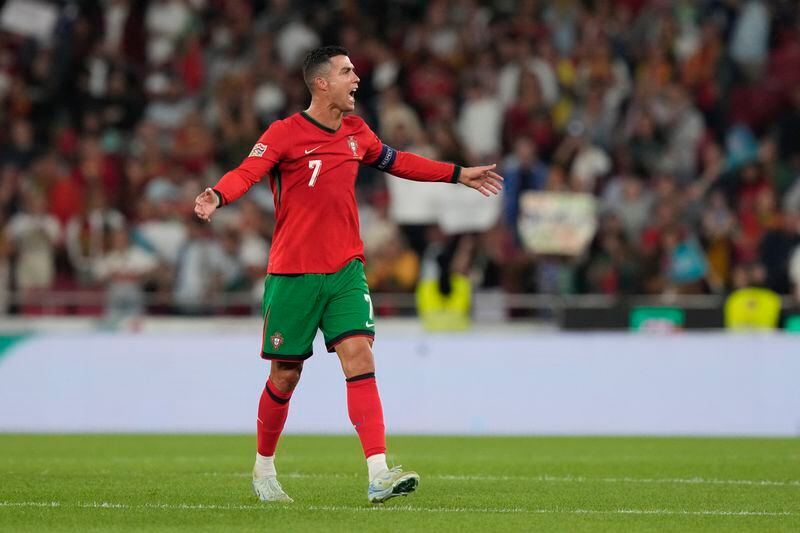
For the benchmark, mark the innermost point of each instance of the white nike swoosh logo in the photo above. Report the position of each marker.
(370, 325)
(309, 151)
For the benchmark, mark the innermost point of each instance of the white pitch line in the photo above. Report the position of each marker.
(552, 479)
(386, 509)
(582, 479)
(551, 511)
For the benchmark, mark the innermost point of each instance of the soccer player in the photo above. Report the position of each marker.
(315, 278)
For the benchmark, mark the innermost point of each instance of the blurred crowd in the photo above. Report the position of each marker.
(680, 117)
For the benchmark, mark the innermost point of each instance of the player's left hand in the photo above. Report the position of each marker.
(482, 179)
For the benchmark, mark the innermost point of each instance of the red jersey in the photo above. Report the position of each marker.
(312, 175)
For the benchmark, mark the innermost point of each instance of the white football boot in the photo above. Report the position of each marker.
(391, 483)
(268, 489)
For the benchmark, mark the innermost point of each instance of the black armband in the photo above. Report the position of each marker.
(385, 159)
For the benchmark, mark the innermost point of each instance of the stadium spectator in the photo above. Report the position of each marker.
(628, 197)
(523, 171)
(33, 235)
(528, 116)
(611, 266)
(717, 236)
(480, 123)
(123, 268)
(749, 39)
(202, 270)
(751, 306)
(21, 148)
(160, 229)
(87, 234)
(393, 266)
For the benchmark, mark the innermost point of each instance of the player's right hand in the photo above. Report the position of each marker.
(205, 204)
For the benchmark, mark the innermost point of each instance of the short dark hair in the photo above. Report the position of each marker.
(317, 58)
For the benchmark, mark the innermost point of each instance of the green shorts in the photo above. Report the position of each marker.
(295, 305)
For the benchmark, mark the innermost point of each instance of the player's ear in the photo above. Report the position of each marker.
(321, 83)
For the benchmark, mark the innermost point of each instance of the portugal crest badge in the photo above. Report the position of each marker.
(276, 340)
(353, 143)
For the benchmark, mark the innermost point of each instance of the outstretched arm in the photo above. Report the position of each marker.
(414, 167)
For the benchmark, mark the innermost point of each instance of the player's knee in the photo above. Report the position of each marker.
(356, 357)
(285, 376)
(361, 365)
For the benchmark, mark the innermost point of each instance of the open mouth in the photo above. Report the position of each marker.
(352, 95)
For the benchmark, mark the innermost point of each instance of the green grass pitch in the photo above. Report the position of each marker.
(201, 483)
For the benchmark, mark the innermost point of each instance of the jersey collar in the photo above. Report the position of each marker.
(317, 124)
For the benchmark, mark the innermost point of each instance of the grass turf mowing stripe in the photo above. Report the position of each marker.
(402, 508)
(547, 478)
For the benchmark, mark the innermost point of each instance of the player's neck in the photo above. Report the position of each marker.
(328, 116)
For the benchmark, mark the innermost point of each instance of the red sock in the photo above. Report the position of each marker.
(366, 413)
(272, 410)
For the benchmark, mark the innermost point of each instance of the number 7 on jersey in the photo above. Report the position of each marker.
(315, 165)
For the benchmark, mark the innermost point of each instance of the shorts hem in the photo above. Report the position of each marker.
(286, 358)
(331, 345)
